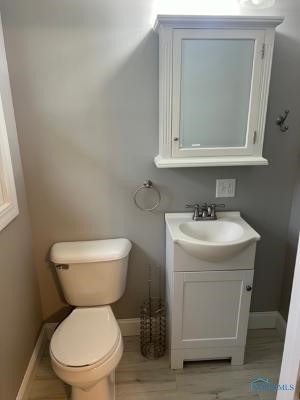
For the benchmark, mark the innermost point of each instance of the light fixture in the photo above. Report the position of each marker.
(256, 3)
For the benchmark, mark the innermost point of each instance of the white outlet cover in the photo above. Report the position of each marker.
(225, 187)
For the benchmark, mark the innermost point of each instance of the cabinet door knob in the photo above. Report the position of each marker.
(176, 139)
(248, 288)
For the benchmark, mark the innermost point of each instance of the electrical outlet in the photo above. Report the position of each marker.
(225, 187)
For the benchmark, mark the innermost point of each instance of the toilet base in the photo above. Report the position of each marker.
(103, 390)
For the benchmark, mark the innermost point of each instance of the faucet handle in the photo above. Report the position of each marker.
(213, 209)
(192, 206)
(196, 208)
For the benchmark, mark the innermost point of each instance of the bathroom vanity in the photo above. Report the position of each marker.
(209, 275)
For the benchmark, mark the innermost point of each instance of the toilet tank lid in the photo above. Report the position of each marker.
(89, 251)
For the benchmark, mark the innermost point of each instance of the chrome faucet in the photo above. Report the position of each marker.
(207, 212)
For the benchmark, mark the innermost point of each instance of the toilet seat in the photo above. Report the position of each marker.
(87, 337)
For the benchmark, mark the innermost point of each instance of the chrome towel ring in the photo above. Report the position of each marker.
(147, 185)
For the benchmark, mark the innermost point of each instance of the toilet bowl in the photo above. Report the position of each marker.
(87, 346)
(85, 350)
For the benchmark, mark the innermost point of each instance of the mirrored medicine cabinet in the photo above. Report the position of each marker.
(214, 75)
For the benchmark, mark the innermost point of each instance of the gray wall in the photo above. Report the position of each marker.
(85, 86)
(20, 312)
(293, 236)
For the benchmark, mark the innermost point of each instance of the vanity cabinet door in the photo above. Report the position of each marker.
(211, 308)
(216, 91)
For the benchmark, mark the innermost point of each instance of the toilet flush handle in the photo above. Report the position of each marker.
(62, 266)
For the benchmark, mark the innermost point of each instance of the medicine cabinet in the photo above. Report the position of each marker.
(214, 75)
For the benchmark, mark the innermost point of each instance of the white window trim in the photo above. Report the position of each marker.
(9, 208)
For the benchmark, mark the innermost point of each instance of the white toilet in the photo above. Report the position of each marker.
(87, 346)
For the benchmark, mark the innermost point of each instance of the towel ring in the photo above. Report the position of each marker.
(147, 185)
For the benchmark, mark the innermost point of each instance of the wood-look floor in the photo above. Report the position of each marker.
(140, 379)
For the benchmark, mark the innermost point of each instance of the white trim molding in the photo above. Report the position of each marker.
(262, 320)
(129, 327)
(280, 325)
(33, 362)
(268, 320)
(230, 161)
(8, 197)
(257, 320)
(219, 21)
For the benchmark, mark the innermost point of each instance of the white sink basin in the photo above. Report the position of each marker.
(218, 231)
(211, 240)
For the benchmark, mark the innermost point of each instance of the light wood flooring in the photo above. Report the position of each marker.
(140, 379)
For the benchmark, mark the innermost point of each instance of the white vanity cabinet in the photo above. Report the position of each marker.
(214, 75)
(211, 318)
(208, 302)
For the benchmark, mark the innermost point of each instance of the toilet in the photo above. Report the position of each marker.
(87, 346)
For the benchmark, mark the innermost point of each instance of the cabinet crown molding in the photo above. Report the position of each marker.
(216, 21)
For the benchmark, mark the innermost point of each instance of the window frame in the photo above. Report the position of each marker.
(9, 204)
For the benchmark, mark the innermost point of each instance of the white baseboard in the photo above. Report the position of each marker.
(128, 327)
(131, 327)
(33, 362)
(257, 320)
(268, 320)
(262, 320)
(280, 325)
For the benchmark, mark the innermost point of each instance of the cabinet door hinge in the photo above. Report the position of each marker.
(254, 137)
(263, 50)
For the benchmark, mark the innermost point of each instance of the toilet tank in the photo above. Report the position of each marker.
(92, 273)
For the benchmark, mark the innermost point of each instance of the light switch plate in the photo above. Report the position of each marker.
(225, 187)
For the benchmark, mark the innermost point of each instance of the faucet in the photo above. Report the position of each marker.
(206, 213)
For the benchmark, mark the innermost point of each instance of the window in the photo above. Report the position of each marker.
(8, 198)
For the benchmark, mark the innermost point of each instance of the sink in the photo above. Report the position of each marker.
(218, 231)
(215, 240)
